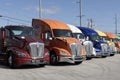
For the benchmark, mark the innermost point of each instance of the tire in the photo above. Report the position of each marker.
(112, 54)
(88, 58)
(41, 65)
(77, 63)
(53, 58)
(104, 56)
(11, 61)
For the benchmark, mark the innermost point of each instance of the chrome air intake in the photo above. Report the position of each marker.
(104, 48)
(88, 48)
(36, 50)
(76, 49)
(112, 47)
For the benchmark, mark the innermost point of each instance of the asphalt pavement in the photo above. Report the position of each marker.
(95, 69)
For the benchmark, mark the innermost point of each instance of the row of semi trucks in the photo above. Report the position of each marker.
(52, 41)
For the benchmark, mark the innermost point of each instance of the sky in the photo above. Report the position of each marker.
(102, 12)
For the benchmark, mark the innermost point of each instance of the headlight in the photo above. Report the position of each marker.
(63, 52)
(47, 54)
(21, 54)
(101, 44)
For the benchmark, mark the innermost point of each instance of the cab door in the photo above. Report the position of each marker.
(2, 48)
(48, 39)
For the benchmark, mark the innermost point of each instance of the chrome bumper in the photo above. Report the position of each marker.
(72, 59)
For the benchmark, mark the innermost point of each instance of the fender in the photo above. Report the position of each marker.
(14, 51)
(57, 50)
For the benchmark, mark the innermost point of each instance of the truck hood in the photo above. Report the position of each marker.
(28, 39)
(97, 44)
(67, 39)
(99, 41)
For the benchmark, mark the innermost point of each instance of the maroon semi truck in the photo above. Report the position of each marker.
(19, 46)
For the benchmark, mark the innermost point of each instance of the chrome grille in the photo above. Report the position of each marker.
(88, 48)
(104, 48)
(76, 49)
(36, 50)
(112, 47)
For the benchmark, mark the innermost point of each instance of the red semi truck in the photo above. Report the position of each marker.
(18, 46)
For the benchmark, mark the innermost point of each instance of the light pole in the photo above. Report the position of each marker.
(116, 20)
(80, 7)
(1, 16)
(80, 13)
(40, 8)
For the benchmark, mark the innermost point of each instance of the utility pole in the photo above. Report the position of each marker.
(40, 8)
(90, 23)
(116, 20)
(80, 7)
(80, 12)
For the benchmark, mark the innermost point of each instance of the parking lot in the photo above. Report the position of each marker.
(95, 69)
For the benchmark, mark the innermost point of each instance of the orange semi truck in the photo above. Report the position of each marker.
(112, 37)
(59, 40)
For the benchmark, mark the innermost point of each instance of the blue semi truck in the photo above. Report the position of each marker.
(100, 47)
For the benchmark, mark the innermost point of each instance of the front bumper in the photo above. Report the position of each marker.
(114, 52)
(96, 54)
(106, 54)
(72, 59)
(88, 55)
(100, 54)
(19, 61)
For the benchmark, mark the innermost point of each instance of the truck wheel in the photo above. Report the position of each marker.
(112, 54)
(104, 56)
(41, 65)
(77, 63)
(11, 61)
(53, 59)
(88, 58)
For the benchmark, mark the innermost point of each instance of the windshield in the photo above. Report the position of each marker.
(79, 35)
(23, 31)
(94, 37)
(114, 39)
(119, 40)
(62, 33)
(103, 37)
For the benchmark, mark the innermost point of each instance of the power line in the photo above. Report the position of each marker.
(15, 19)
(8, 21)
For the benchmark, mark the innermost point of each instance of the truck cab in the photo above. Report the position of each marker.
(112, 37)
(77, 33)
(100, 47)
(18, 46)
(59, 40)
(118, 36)
(111, 45)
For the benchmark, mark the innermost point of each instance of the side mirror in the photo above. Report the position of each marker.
(111, 40)
(104, 39)
(47, 36)
(87, 38)
(78, 36)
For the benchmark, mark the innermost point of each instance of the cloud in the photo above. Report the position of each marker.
(50, 10)
(28, 8)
